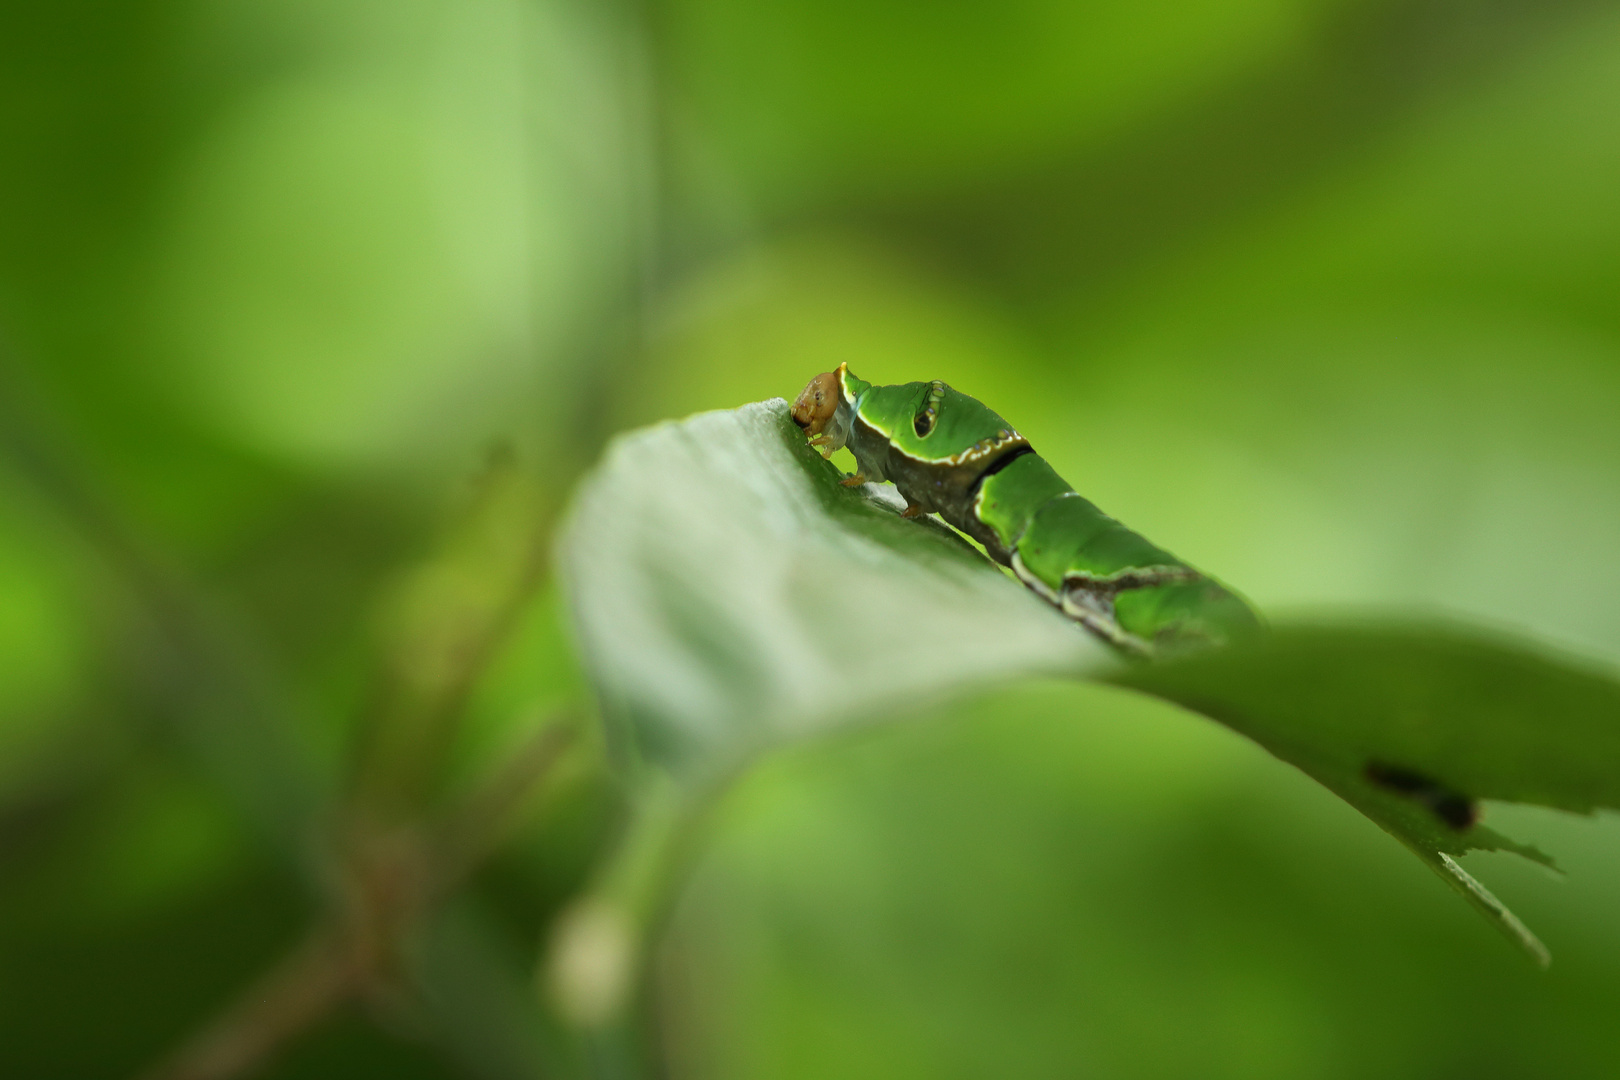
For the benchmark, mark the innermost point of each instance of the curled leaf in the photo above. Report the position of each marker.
(729, 595)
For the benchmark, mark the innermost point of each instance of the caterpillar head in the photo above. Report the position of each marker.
(817, 404)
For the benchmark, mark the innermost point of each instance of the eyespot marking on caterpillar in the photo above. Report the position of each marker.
(923, 422)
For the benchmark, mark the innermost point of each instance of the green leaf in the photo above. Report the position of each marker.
(813, 100)
(730, 595)
(1480, 717)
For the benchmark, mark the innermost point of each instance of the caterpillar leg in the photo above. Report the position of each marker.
(913, 510)
(853, 481)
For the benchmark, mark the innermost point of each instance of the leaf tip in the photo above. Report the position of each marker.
(1498, 912)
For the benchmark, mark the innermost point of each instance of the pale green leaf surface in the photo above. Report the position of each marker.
(729, 595)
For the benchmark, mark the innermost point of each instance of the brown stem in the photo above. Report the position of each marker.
(393, 878)
(305, 986)
(472, 830)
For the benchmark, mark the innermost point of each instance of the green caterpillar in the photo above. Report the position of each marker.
(949, 454)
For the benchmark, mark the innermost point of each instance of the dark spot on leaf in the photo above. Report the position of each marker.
(1452, 807)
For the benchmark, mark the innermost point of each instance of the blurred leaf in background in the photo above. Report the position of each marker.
(274, 282)
(1318, 295)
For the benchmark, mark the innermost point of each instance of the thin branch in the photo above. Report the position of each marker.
(393, 878)
(320, 974)
(471, 831)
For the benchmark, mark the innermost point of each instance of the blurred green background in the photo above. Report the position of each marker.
(311, 315)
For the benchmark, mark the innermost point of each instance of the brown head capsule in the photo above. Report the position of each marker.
(817, 404)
